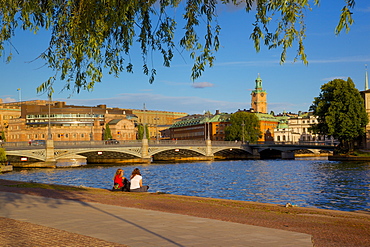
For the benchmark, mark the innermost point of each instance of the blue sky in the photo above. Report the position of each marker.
(226, 86)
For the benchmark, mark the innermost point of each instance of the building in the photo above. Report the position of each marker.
(259, 97)
(157, 121)
(7, 112)
(201, 127)
(68, 123)
(297, 130)
(33, 120)
(195, 126)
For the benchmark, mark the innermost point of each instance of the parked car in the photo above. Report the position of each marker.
(38, 142)
(111, 141)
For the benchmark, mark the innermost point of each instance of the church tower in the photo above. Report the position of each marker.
(259, 97)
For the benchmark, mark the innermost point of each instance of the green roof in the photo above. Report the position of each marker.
(114, 121)
(202, 120)
(267, 117)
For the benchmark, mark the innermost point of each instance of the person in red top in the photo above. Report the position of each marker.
(120, 182)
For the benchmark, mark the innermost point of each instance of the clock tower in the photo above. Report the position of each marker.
(259, 97)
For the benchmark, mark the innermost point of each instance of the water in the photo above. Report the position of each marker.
(305, 183)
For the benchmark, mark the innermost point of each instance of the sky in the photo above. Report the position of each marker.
(226, 86)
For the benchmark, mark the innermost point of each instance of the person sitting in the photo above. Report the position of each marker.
(137, 182)
(120, 182)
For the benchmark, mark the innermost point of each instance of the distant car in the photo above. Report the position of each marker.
(111, 141)
(38, 142)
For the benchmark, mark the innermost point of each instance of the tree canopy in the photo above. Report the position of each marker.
(244, 126)
(107, 132)
(3, 157)
(88, 36)
(341, 112)
(140, 132)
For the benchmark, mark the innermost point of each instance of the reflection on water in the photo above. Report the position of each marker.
(305, 183)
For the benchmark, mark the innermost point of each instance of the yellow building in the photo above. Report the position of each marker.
(156, 121)
(31, 120)
(7, 112)
(68, 123)
(259, 97)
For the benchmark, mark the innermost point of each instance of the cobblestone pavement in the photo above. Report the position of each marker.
(20, 233)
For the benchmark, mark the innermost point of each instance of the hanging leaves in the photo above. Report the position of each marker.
(88, 36)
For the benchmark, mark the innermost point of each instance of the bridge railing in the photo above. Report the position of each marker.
(64, 144)
(14, 144)
(20, 145)
(137, 143)
(176, 142)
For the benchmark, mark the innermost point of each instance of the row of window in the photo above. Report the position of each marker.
(68, 115)
(190, 134)
(303, 138)
(60, 120)
(64, 135)
(59, 125)
(6, 117)
(303, 122)
(189, 128)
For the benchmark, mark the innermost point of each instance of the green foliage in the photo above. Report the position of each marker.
(140, 132)
(89, 36)
(341, 112)
(243, 124)
(2, 136)
(360, 154)
(107, 132)
(3, 157)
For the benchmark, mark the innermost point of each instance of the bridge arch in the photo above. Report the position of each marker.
(177, 154)
(231, 153)
(161, 150)
(134, 152)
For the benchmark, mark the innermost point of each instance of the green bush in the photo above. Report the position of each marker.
(3, 158)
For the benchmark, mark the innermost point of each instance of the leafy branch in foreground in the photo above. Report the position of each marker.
(89, 36)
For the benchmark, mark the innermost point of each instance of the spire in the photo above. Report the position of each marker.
(366, 78)
(258, 82)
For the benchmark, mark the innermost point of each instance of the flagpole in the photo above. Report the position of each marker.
(19, 95)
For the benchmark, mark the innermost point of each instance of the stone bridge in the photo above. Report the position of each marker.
(59, 154)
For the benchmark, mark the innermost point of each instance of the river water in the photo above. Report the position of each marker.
(306, 183)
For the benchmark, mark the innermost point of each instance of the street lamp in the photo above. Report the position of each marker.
(92, 124)
(156, 128)
(206, 127)
(243, 131)
(49, 126)
(144, 137)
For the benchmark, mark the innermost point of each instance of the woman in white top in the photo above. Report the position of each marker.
(137, 182)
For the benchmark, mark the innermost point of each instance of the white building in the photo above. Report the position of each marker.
(297, 130)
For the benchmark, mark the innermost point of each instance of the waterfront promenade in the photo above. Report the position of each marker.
(40, 215)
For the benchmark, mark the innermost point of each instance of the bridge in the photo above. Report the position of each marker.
(59, 154)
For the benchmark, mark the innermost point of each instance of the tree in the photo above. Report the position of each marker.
(341, 113)
(244, 126)
(88, 36)
(2, 136)
(3, 157)
(107, 132)
(140, 132)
